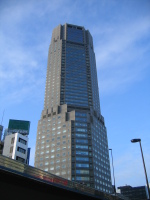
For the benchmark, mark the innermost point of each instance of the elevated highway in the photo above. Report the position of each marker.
(20, 181)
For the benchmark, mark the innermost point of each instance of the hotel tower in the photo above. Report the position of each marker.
(71, 135)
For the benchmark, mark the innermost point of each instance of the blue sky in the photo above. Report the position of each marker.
(121, 36)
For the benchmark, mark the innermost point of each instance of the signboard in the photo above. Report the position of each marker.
(19, 126)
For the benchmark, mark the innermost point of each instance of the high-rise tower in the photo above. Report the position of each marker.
(71, 136)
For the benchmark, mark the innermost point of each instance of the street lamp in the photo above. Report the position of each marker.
(113, 172)
(139, 140)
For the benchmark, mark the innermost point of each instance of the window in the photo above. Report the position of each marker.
(21, 150)
(82, 171)
(11, 149)
(81, 129)
(20, 159)
(81, 124)
(82, 159)
(57, 167)
(82, 165)
(78, 178)
(63, 154)
(81, 152)
(81, 147)
(81, 135)
(82, 141)
(22, 141)
(12, 140)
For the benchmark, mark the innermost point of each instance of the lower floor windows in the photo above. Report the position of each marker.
(82, 165)
(81, 147)
(78, 178)
(21, 150)
(20, 159)
(82, 171)
(82, 159)
(82, 153)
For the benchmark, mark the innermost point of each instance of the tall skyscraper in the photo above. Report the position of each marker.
(71, 135)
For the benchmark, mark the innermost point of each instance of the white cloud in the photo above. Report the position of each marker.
(21, 73)
(122, 57)
(120, 41)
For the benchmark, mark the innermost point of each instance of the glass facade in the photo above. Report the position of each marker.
(76, 77)
(74, 34)
(71, 136)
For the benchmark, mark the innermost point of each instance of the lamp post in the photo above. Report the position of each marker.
(139, 140)
(113, 172)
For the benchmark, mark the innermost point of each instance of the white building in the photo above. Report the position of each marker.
(16, 147)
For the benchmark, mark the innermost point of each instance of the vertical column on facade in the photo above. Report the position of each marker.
(63, 73)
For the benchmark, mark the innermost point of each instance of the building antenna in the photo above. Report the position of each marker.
(2, 116)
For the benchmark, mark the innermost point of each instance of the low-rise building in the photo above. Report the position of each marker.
(133, 193)
(16, 147)
(15, 140)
